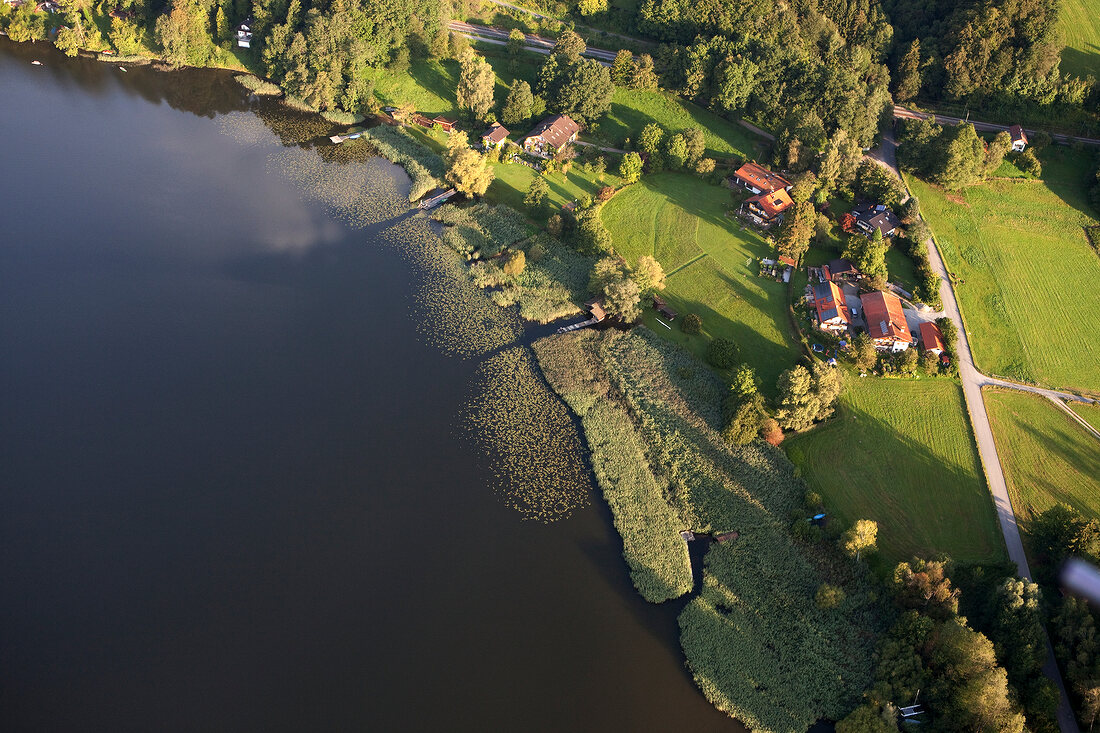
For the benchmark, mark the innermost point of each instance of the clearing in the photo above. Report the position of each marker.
(1025, 273)
(1080, 27)
(711, 262)
(1047, 457)
(901, 452)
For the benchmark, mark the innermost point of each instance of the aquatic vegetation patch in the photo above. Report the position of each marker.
(422, 164)
(652, 547)
(246, 129)
(256, 85)
(529, 437)
(756, 642)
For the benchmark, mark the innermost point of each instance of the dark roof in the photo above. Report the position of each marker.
(760, 177)
(841, 267)
(829, 302)
(595, 307)
(877, 217)
(496, 133)
(556, 130)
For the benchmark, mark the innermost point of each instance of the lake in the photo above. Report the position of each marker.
(236, 488)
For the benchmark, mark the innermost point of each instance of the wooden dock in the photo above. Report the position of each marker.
(431, 203)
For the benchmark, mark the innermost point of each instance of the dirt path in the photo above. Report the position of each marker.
(902, 113)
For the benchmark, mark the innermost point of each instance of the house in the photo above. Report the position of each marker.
(496, 135)
(931, 337)
(1019, 138)
(661, 307)
(840, 269)
(759, 179)
(886, 321)
(447, 125)
(832, 311)
(870, 217)
(244, 34)
(788, 261)
(595, 307)
(767, 208)
(419, 119)
(550, 135)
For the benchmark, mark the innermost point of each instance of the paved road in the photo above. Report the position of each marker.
(550, 17)
(903, 113)
(499, 36)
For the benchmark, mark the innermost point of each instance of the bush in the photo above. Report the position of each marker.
(828, 596)
(256, 85)
(691, 324)
(722, 353)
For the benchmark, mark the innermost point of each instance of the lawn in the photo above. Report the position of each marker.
(1080, 27)
(1090, 413)
(901, 452)
(710, 260)
(1026, 276)
(1047, 457)
(633, 109)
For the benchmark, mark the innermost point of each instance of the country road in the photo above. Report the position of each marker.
(536, 14)
(538, 44)
(902, 113)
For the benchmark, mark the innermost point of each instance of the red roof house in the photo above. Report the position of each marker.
(832, 311)
(551, 134)
(495, 135)
(1019, 138)
(447, 124)
(886, 321)
(759, 179)
(931, 337)
(765, 208)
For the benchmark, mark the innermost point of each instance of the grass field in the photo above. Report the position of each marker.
(710, 262)
(1047, 457)
(1080, 27)
(901, 452)
(1026, 276)
(1090, 413)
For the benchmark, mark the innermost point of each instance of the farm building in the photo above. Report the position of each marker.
(840, 269)
(886, 321)
(832, 311)
(767, 208)
(759, 179)
(446, 124)
(661, 307)
(1019, 138)
(496, 135)
(870, 217)
(931, 337)
(550, 135)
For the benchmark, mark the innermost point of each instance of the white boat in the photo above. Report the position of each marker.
(36, 63)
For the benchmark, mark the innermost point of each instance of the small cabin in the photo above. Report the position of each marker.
(662, 308)
(496, 135)
(446, 124)
(244, 34)
(1019, 138)
(595, 307)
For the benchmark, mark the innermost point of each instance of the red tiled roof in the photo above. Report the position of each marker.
(784, 260)
(829, 302)
(772, 202)
(496, 133)
(931, 337)
(760, 177)
(884, 316)
(1017, 133)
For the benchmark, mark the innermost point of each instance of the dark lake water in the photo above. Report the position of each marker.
(234, 490)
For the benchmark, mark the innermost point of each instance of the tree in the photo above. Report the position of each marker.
(622, 68)
(649, 275)
(643, 76)
(621, 298)
(722, 353)
(804, 186)
(828, 596)
(869, 255)
(796, 230)
(182, 35)
(696, 145)
(649, 142)
(630, 169)
(907, 82)
(569, 46)
(606, 270)
(864, 354)
(514, 262)
(970, 689)
(1059, 532)
(691, 323)
(744, 382)
(468, 171)
(745, 418)
(860, 537)
(962, 157)
(868, 719)
(585, 92)
(536, 193)
(923, 585)
(995, 153)
(676, 151)
(591, 7)
(518, 104)
(221, 23)
(593, 239)
(734, 81)
(476, 82)
(67, 42)
(806, 397)
(516, 43)
(1017, 629)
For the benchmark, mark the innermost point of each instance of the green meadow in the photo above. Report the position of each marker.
(1079, 24)
(1025, 273)
(901, 452)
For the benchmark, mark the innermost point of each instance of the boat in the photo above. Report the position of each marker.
(36, 63)
(353, 134)
(122, 68)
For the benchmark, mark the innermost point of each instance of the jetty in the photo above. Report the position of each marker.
(598, 314)
(353, 134)
(433, 201)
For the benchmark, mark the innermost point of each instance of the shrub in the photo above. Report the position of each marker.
(722, 353)
(256, 85)
(691, 323)
(828, 596)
